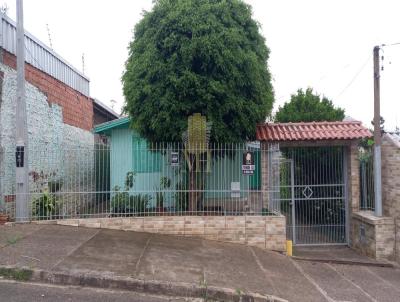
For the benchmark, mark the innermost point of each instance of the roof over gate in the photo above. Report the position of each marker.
(312, 131)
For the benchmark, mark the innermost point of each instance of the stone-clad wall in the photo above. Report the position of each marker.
(50, 142)
(379, 237)
(267, 232)
(391, 183)
(353, 165)
(373, 236)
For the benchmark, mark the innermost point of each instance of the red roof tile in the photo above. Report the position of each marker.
(311, 131)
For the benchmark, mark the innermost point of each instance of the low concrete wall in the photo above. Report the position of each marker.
(373, 236)
(267, 232)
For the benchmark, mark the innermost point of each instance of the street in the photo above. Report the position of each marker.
(11, 291)
(101, 253)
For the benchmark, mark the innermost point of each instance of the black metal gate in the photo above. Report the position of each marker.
(312, 194)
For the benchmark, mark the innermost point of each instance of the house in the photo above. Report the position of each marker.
(102, 113)
(60, 111)
(225, 188)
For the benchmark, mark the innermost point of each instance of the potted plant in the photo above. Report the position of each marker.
(3, 216)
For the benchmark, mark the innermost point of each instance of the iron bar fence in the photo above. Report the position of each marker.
(367, 192)
(312, 194)
(136, 178)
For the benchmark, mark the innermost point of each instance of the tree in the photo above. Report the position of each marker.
(308, 107)
(197, 56)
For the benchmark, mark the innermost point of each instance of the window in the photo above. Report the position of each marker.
(144, 159)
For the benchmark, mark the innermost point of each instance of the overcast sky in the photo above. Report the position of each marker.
(326, 45)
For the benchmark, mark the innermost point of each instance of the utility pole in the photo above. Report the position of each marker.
(21, 152)
(377, 135)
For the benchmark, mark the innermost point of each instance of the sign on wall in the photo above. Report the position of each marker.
(235, 189)
(174, 159)
(19, 156)
(248, 165)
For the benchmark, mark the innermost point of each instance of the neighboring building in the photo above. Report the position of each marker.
(60, 111)
(102, 113)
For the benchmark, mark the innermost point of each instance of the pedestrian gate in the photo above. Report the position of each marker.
(310, 186)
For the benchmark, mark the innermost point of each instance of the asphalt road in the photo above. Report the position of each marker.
(11, 291)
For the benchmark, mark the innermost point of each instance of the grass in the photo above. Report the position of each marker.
(16, 274)
(13, 239)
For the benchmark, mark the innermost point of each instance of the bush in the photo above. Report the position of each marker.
(123, 203)
(46, 207)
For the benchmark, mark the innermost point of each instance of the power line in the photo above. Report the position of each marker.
(355, 76)
(393, 44)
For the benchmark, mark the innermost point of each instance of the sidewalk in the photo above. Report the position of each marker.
(115, 255)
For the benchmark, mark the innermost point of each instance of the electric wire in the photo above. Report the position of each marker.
(355, 76)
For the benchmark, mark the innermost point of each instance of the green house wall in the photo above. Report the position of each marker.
(124, 142)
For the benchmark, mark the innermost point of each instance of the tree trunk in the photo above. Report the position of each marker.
(192, 193)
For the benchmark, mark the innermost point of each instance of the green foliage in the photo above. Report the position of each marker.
(124, 203)
(13, 239)
(46, 206)
(129, 180)
(16, 274)
(197, 56)
(308, 107)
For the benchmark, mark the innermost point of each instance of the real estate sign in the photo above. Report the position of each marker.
(248, 165)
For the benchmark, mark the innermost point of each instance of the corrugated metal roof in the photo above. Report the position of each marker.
(393, 137)
(311, 131)
(42, 57)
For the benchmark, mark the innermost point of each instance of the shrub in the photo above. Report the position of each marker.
(46, 207)
(123, 203)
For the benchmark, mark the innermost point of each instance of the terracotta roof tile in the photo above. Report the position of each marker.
(311, 131)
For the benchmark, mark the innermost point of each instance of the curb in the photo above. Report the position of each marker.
(175, 289)
(345, 262)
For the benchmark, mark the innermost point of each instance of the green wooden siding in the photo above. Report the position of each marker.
(255, 179)
(145, 161)
(224, 171)
(130, 153)
(121, 164)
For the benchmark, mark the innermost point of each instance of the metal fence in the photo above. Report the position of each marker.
(143, 179)
(367, 192)
(312, 194)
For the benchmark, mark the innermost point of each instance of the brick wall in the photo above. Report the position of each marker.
(267, 232)
(391, 184)
(77, 108)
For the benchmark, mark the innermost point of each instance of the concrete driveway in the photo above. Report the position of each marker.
(190, 260)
